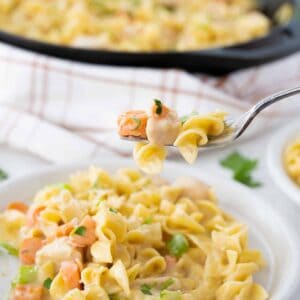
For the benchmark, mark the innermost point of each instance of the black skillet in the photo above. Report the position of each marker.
(280, 42)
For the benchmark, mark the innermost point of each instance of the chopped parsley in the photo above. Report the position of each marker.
(113, 210)
(10, 249)
(242, 168)
(148, 221)
(47, 283)
(178, 245)
(146, 289)
(186, 117)
(114, 297)
(137, 123)
(167, 284)
(80, 230)
(3, 175)
(158, 106)
(167, 295)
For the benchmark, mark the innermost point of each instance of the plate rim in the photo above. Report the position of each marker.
(275, 149)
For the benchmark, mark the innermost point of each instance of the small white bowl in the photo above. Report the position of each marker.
(276, 147)
(269, 232)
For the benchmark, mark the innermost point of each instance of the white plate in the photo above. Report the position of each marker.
(275, 151)
(268, 231)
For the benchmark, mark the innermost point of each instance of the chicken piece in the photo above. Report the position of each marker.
(133, 123)
(28, 250)
(27, 292)
(193, 188)
(163, 126)
(71, 274)
(57, 251)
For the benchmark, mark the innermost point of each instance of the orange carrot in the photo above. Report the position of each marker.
(28, 249)
(133, 123)
(70, 274)
(27, 292)
(17, 205)
(33, 213)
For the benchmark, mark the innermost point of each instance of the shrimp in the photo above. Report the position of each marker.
(33, 213)
(65, 229)
(17, 205)
(85, 238)
(70, 273)
(27, 292)
(163, 125)
(133, 123)
(28, 250)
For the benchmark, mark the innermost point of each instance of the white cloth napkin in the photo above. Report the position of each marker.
(64, 111)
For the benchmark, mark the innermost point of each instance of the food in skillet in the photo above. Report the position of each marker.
(291, 159)
(128, 237)
(135, 25)
(162, 127)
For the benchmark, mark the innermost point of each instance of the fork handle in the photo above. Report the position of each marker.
(264, 103)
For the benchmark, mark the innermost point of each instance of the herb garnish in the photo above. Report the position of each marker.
(146, 289)
(80, 230)
(47, 283)
(113, 210)
(158, 106)
(148, 221)
(3, 175)
(167, 284)
(242, 168)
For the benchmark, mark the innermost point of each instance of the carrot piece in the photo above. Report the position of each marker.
(27, 292)
(70, 274)
(65, 229)
(28, 249)
(33, 213)
(84, 235)
(133, 123)
(17, 205)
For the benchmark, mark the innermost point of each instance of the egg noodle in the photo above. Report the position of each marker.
(127, 236)
(291, 159)
(165, 128)
(135, 25)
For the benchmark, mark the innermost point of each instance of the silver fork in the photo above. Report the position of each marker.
(234, 128)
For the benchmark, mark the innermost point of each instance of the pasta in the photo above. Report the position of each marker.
(138, 238)
(135, 25)
(163, 127)
(291, 159)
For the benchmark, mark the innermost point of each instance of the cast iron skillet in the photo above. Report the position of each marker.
(280, 42)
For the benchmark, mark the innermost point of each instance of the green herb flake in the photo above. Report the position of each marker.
(178, 245)
(26, 274)
(167, 284)
(3, 175)
(137, 123)
(242, 168)
(169, 295)
(47, 283)
(113, 210)
(186, 117)
(146, 289)
(114, 297)
(148, 221)
(80, 230)
(158, 106)
(10, 249)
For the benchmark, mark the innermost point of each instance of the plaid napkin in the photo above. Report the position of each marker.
(64, 111)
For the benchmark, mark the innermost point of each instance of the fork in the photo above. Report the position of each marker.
(234, 128)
